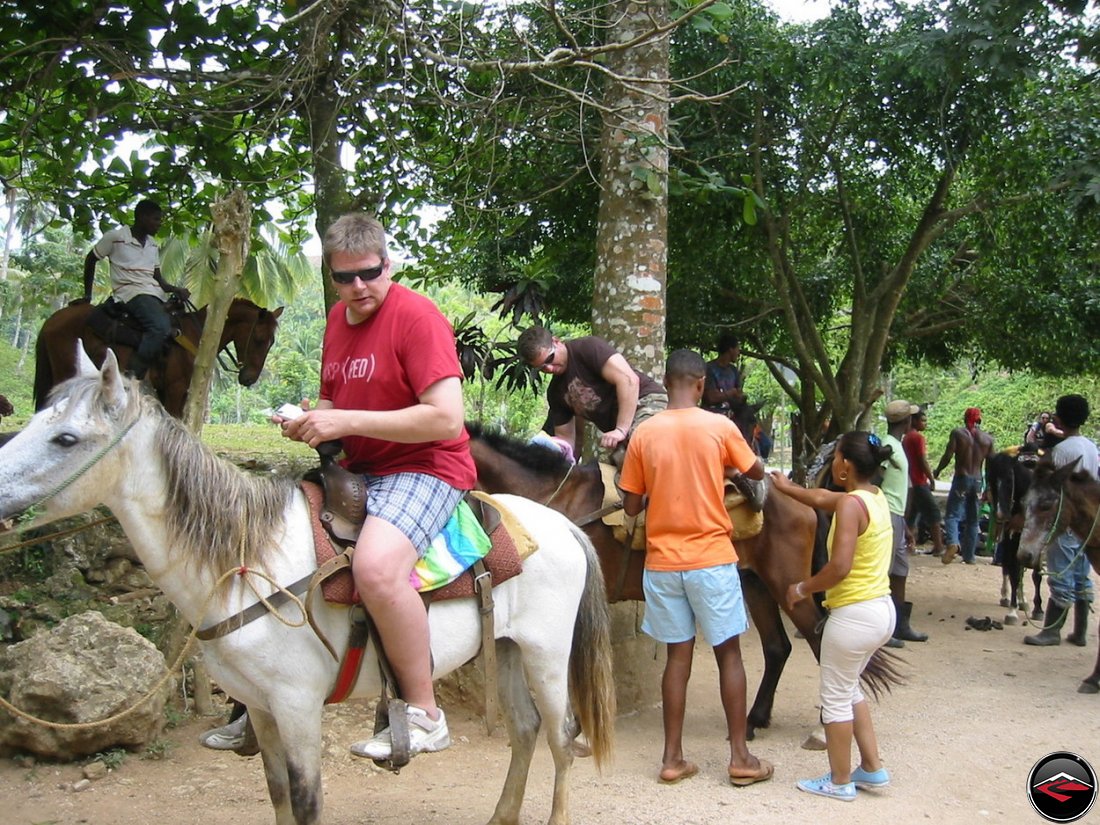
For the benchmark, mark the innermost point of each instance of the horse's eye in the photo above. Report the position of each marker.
(65, 440)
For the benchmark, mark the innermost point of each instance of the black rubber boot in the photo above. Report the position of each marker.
(1051, 634)
(904, 631)
(1080, 624)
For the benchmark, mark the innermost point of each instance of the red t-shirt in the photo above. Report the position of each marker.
(385, 363)
(915, 446)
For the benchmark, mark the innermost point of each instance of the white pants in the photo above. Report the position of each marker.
(852, 634)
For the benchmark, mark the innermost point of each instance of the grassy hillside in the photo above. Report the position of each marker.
(16, 382)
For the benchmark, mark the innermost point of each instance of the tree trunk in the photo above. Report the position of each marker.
(628, 304)
(232, 236)
(9, 231)
(321, 110)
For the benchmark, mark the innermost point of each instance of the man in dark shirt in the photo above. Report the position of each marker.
(722, 391)
(591, 381)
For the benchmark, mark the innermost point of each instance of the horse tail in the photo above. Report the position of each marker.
(43, 372)
(591, 684)
(883, 673)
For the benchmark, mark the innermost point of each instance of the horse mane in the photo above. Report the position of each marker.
(534, 457)
(221, 516)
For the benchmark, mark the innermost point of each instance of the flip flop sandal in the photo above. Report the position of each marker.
(761, 774)
(689, 770)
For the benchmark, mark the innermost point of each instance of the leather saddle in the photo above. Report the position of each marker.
(114, 324)
(345, 499)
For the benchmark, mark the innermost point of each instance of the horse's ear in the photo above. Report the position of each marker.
(276, 313)
(111, 383)
(84, 365)
(1059, 477)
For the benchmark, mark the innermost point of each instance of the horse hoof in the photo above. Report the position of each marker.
(1036, 614)
(1088, 687)
(815, 741)
(1005, 603)
(1010, 618)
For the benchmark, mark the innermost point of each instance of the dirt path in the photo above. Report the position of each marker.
(980, 708)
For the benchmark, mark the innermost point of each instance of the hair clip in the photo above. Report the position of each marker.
(873, 440)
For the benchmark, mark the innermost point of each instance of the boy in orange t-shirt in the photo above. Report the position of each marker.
(679, 458)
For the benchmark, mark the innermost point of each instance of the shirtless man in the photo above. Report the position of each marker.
(971, 446)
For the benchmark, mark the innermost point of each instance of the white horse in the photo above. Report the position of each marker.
(192, 516)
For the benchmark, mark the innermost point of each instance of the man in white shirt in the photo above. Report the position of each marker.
(1067, 565)
(136, 281)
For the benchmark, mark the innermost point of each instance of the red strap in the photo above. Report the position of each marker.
(345, 680)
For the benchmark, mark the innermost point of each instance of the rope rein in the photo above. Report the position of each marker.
(1049, 538)
(554, 494)
(52, 536)
(243, 571)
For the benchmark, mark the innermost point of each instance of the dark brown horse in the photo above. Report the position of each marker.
(780, 556)
(1008, 476)
(1061, 499)
(249, 328)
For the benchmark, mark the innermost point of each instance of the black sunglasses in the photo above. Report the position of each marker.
(549, 358)
(363, 275)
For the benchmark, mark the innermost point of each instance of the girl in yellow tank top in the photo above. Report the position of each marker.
(857, 592)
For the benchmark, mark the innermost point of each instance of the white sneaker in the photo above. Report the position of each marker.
(227, 737)
(426, 735)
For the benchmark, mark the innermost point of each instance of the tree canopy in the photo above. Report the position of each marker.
(894, 181)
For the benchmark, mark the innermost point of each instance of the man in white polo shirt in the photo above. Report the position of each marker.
(136, 281)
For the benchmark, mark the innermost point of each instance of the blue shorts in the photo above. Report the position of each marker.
(415, 503)
(675, 600)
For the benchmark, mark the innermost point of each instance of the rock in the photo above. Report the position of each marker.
(95, 770)
(84, 670)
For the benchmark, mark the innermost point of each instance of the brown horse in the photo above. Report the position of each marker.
(249, 328)
(770, 562)
(1061, 499)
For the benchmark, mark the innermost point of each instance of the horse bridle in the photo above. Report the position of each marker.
(591, 517)
(1057, 517)
(95, 459)
(234, 360)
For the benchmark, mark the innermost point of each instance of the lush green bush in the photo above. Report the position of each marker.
(16, 383)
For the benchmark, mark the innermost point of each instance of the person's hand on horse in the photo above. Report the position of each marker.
(795, 594)
(781, 482)
(612, 438)
(183, 292)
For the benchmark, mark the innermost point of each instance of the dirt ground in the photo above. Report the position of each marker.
(979, 709)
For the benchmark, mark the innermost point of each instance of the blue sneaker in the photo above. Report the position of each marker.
(823, 786)
(870, 779)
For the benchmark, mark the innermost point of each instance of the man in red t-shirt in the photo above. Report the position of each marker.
(922, 504)
(391, 392)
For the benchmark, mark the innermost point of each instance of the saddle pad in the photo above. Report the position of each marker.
(746, 522)
(501, 557)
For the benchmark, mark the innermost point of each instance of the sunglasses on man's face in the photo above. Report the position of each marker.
(363, 275)
(549, 359)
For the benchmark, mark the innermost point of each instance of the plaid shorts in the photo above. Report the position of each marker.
(415, 503)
